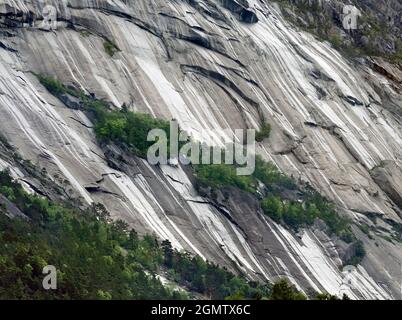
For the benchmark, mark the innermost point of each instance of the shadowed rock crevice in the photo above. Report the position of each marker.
(241, 9)
(388, 175)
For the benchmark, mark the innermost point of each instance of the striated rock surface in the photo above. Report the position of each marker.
(218, 65)
(389, 177)
(373, 26)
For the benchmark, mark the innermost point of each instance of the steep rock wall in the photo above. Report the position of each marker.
(195, 61)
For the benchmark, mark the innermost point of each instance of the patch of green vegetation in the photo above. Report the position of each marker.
(295, 214)
(222, 175)
(263, 133)
(358, 256)
(270, 176)
(335, 40)
(130, 128)
(121, 126)
(327, 296)
(94, 259)
(311, 17)
(300, 214)
(398, 229)
(365, 229)
(209, 279)
(97, 258)
(54, 86)
(110, 48)
(397, 57)
(85, 34)
(283, 290)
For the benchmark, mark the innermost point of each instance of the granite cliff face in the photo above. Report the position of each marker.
(375, 31)
(212, 64)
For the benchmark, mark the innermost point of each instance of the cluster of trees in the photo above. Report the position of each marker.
(54, 86)
(118, 126)
(222, 175)
(97, 258)
(271, 177)
(293, 213)
(283, 290)
(359, 253)
(326, 25)
(209, 279)
(264, 132)
(132, 129)
(297, 214)
(110, 48)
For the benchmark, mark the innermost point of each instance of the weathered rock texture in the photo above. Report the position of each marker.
(377, 30)
(211, 66)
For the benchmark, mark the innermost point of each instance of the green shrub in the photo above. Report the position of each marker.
(263, 133)
(110, 48)
(283, 290)
(273, 207)
(295, 214)
(85, 34)
(222, 175)
(121, 126)
(7, 192)
(301, 214)
(327, 296)
(270, 175)
(336, 41)
(54, 86)
(358, 255)
(291, 213)
(130, 128)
